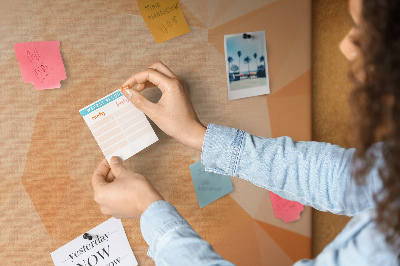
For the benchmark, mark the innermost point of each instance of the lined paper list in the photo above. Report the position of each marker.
(119, 128)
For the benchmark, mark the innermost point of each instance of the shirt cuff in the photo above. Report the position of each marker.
(221, 150)
(158, 219)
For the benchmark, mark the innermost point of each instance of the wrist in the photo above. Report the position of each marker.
(196, 137)
(148, 203)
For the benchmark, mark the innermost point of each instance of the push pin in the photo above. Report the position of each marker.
(246, 36)
(88, 236)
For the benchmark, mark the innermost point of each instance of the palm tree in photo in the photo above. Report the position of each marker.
(247, 60)
(262, 59)
(239, 55)
(230, 60)
(255, 58)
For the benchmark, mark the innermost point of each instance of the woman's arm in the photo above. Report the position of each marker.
(312, 173)
(172, 241)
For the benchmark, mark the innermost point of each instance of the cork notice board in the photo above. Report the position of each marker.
(48, 154)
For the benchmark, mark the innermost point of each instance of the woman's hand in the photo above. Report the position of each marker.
(173, 113)
(120, 192)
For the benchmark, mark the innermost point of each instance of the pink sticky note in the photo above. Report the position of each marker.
(284, 209)
(41, 64)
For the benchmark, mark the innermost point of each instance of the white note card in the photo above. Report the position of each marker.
(108, 247)
(118, 126)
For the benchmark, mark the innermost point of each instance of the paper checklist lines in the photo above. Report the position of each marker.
(119, 128)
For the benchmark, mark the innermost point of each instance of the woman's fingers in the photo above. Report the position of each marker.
(159, 80)
(160, 67)
(100, 174)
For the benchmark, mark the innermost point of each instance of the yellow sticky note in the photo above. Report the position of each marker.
(164, 18)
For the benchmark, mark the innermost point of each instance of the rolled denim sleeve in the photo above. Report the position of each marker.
(172, 241)
(312, 173)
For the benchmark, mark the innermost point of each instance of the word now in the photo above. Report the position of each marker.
(94, 258)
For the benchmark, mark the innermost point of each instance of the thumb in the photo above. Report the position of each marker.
(139, 101)
(116, 166)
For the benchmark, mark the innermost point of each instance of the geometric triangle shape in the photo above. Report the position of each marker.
(191, 19)
(17, 120)
(19, 220)
(46, 195)
(228, 9)
(78, 213)
(241, 246)
(290, 109)
(265, 213)
(199, 9)
(27, 253)
(247, 195)
(7, 189)
(296, 246)
(271, 253)
(43, 160)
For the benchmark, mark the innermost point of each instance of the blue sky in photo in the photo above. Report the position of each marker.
(248, 47)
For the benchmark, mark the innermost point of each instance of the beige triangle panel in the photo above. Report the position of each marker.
(191, 19)
(271, 253)
(7, 189)
(245, 251)
(68, 12)
(219, 219)
(18, 114)
(77, 213)
(247, 195)
(32, 253)
(43, 161)
(46, 196)
(252, 246)
(265, 213)
(290, 109)
(14, 30)
(296, 246)
(226, 10)
(20, 223)
(199, 9)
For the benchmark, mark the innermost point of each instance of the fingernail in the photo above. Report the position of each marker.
(115, 160)
(129, 93)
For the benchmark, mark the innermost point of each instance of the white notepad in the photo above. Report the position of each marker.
(118, 126)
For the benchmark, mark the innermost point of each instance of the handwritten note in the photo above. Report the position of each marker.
(109, 246)
(41, 64)
(164, 18)
(119, 128)
(284, 209)
(209, 186)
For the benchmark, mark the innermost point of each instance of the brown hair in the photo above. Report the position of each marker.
(375, 102)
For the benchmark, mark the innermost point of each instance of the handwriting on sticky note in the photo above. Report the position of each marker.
(164, 18)
(209, 186)
(284, 209)
(41, 64)
(109, 246)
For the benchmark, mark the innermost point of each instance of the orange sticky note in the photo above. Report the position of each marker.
(164, 18)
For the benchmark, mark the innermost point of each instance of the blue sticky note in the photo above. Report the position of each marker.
(209, 186)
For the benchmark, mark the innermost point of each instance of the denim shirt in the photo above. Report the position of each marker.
(312, 173)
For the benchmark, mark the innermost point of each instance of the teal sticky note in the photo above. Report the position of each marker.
(209, 186)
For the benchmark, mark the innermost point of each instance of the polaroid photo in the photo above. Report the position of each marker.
(246, 64)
